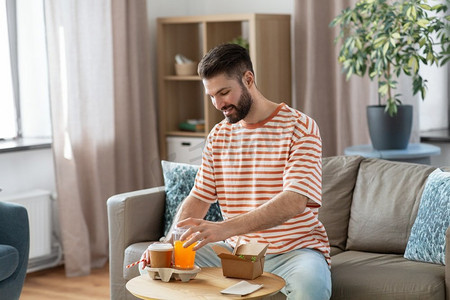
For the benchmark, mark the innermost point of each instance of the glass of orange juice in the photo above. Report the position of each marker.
(184, 258)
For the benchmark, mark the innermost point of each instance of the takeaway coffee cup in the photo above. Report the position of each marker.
(160, 255)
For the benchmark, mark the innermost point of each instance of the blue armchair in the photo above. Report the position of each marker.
(14, 249)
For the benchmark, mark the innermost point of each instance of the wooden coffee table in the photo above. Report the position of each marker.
(206, 285)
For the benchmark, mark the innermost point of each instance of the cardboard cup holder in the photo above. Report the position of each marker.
(166, 274)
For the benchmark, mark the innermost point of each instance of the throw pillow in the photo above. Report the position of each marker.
(179, 179)
(427, 240)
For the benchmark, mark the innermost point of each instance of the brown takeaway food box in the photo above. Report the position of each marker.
(246, 263)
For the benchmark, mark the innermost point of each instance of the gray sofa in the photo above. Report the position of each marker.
(369, 207)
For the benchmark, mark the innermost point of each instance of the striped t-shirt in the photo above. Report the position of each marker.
(246, 165)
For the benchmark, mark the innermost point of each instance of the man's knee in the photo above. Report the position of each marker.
(308, 286)
(309, 279)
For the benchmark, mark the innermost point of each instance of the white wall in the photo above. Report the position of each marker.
(22, 171)
(434, 108)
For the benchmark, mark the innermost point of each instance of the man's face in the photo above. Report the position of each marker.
(229, 96)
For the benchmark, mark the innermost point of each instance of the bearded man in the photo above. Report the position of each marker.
(263, 164)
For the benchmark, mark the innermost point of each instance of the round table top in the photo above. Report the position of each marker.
(206, 285)
(414, 150)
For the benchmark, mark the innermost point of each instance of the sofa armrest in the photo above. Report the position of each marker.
(132, 217)
(15, 232)
(447, 264)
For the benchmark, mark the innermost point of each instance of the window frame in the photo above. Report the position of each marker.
(11, 16)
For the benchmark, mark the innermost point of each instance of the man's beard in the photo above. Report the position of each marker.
(243, 107)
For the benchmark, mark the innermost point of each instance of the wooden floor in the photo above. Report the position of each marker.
(53, 284)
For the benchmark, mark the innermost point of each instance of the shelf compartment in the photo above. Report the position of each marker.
(222, 32)
(182, 39)
(183, 101)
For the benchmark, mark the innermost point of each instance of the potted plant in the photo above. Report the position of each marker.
(386, 39)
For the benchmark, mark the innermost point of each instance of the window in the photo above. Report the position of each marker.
(8, 113)
(24, 102)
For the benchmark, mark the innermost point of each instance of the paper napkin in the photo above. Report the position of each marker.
(242, 288)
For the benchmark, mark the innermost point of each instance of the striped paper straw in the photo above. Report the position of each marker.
(135, 263)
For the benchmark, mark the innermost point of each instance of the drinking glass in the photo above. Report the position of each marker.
(184, 258)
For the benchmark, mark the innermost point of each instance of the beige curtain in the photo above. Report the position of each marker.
(103, 117)
(338, 106)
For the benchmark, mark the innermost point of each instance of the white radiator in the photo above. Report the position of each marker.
(39, 208)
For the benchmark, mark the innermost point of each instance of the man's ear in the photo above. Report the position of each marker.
(248, 78)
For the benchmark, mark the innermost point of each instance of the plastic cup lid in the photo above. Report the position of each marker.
(160, 247)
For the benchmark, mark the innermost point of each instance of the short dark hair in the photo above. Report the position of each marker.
(231, 59)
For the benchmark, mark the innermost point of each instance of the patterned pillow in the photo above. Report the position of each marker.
(178, 181)
(427, 240)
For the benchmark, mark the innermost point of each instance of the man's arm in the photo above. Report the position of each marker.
(194, 208)
(279, 209)
(191, 207)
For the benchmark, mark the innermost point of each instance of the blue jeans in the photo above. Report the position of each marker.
(305, 271)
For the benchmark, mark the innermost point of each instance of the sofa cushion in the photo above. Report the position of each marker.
(427, 240)
(9, 260)
(384, 206)
(335, 250)
(338, 181)
(361, 275)
(179, 179)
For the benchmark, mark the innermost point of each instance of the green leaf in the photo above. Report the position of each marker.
(425, 6)
(423, 23)
(413, 64)
(395, 35)
(437, 7)
(391, 107)
(383, 89)
(385, 48)
(406, 26)
(413, 12)
(422, 42)
(423, 92)
(423, 59)
(408, 12)
(417, 84)
(358, 43)
(349, 74)
(379, 41)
